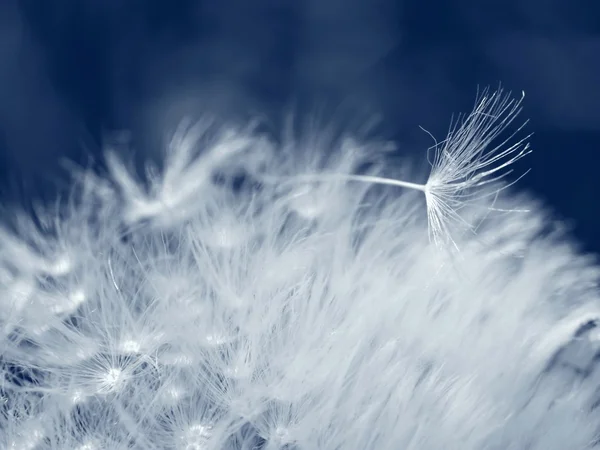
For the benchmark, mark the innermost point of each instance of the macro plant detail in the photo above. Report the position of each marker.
(249, 293)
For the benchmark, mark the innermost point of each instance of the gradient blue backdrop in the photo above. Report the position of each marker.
(74, 70)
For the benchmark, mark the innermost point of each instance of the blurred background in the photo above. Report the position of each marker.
(75, 71)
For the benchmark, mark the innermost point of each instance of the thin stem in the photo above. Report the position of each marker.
(359, 178)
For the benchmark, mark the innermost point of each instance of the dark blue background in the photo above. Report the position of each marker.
(73, 70)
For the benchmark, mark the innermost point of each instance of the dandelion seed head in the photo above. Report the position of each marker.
(251, 292)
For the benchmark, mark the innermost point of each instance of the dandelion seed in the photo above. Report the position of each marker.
(111, 380)
(463, 164)
(196, 437)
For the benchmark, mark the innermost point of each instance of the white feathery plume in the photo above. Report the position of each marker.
(202, 309)
(462, 164)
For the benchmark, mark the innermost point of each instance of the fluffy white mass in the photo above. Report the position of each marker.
(254, 293)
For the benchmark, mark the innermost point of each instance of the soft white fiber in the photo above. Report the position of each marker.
(253, 293)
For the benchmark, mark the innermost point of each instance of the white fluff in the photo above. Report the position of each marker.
(310, 306)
